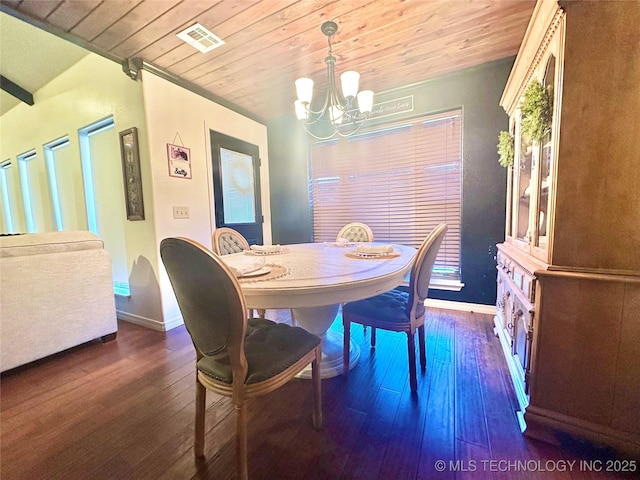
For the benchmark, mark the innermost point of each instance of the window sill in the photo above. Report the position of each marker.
(121, 289)
(441, 284)
(450, 285)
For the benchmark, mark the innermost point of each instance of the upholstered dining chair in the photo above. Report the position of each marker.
(355, 232)
(235, 356)
(226, 241)
(398, 310)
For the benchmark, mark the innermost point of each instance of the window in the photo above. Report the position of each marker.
(401, 179)
(104, 200)
(6, 198)
(50, 150)
(86, 158)
(25, 184)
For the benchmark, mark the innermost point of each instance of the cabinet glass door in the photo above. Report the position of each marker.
(544, 197)
(546, 162)
(523, 187)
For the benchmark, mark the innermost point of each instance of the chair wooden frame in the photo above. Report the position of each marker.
(418, 288)
(344, 231)
(239, 391)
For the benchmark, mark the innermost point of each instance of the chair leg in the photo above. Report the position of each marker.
(241, 440)
(423, 347)
(412, 362)
(201, 397)
(346, 339)
(317, 390)
(373, 337)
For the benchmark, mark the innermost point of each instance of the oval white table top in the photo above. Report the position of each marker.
(322, 275)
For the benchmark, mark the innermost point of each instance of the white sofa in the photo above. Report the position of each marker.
(56, 292)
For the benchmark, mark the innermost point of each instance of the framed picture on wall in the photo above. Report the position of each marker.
(179, 161)
(131, 174)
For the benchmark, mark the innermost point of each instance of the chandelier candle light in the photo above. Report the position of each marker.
(339, 110)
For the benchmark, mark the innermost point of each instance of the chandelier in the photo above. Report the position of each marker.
(339, 112)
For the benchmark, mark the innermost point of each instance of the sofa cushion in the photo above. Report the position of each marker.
(49, 242)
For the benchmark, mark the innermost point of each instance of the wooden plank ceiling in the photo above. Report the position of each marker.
(270, 43)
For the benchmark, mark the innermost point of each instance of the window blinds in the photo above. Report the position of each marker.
(402, 180)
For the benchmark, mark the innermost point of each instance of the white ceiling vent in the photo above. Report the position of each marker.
(199, 37)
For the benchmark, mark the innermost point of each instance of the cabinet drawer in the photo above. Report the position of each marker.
(520, 277)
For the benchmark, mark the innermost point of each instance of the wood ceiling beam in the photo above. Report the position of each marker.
(16, 90)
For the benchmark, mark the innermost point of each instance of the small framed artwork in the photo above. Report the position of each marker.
(131, 174)
(179, 161)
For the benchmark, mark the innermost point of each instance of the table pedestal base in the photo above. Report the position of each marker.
(317, 320)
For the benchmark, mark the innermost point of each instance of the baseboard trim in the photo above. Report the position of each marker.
(553, 427)
(429, 302)
(150, 322)
(461, 306)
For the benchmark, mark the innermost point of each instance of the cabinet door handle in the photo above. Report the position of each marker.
(510, 326)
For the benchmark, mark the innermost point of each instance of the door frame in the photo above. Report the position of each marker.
(220, 140)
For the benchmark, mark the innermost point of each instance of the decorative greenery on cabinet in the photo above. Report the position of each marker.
(506, 149)
(537, 111)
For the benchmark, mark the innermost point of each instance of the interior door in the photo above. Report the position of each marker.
(236, 186)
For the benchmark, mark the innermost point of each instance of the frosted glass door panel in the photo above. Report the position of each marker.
(237, 187)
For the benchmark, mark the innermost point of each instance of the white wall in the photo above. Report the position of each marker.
(175, 114)
(96, 88)
(93, 89)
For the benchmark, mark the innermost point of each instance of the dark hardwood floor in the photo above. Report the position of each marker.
(124, 410)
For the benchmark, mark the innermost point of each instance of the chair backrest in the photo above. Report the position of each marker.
(355, 232)
(227, 240)
(422, 268)
(210, 299)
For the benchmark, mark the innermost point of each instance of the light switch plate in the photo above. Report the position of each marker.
(180, 212)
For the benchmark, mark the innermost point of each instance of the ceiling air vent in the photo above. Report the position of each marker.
(199, 37)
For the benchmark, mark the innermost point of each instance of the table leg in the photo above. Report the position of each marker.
(317, 320)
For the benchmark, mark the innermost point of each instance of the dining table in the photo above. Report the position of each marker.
(314, 279)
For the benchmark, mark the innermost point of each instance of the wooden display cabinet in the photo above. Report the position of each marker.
(568, 273)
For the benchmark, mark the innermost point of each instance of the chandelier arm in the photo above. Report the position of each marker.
(317, 137)
(327, 103)
(358, 122)
(358, 125)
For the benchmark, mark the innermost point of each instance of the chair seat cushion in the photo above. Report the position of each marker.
(388, 307)
(269, 347)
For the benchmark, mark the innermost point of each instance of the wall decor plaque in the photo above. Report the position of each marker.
(131, 174)
(179, 161)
